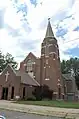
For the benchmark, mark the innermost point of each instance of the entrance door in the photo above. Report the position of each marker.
(5, 93)
(24, 93)
(70, 97)
(12, 93)
(59, 93)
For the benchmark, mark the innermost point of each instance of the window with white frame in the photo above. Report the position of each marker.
(29, 66)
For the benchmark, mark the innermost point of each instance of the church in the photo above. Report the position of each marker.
(34, 72)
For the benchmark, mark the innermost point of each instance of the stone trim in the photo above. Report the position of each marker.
(55, 93)
(52, 53)
(47, 79)
(46, 56)
(42, 54)
(6, 68)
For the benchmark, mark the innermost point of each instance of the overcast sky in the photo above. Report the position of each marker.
(23, 25)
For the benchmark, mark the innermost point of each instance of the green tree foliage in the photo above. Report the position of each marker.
(71, 64)
(42, 92)
(37, 93)
(7, 59)
(2, 62)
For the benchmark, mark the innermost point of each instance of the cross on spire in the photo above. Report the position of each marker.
(7, 74)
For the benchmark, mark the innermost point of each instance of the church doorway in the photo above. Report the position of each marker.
(5, 93)
(23, 92)
(59, 93)
(12, 93)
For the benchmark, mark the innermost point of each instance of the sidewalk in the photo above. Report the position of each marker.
(42, 110)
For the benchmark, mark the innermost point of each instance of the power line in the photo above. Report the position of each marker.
(69, 41)
(72, 40)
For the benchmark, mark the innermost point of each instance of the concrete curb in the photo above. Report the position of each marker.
(43, 113)
(41, 110)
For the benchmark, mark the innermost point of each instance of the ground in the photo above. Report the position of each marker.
(19, 115)
(40, 110)
(62, 104)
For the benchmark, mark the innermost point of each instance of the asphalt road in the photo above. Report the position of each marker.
(19, 115)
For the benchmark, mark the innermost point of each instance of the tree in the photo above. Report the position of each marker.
(46, 92)
(2, 62)
(71, 64)
(42, 92)
(63, 67)
(37, 93)
(9, 59)
(6, 59)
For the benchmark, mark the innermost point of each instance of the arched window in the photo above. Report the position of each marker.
(29, 66)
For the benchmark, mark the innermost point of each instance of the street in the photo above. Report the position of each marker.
(19, 115)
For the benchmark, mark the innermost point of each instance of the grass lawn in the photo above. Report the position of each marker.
(62, 104)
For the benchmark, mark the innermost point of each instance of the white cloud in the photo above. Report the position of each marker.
(11, 18)
(48, 8)
(4, 3)
(36, 25)
(71, 39)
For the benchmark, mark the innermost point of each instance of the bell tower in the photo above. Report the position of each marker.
(50, 63)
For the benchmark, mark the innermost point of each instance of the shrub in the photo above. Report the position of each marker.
(31, 99)
(46, 92)
(37, 93)
(42, 92)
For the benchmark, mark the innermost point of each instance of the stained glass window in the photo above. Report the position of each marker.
(29, 66)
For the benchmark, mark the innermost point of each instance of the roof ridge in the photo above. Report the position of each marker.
(28, 56)
(10, 67)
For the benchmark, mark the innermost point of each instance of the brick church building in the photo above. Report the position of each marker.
(34, 71)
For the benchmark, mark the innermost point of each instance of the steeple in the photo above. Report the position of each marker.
(49, 32)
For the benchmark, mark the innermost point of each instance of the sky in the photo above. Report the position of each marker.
(23, 26)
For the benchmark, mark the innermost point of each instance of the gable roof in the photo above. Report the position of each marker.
(8, 66)
(68, 76)
(30, 55)
(26, 78)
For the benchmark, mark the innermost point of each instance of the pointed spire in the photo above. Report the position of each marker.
(49, 32)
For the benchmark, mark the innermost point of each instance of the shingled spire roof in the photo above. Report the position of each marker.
(49, 32)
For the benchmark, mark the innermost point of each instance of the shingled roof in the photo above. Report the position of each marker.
(68, 76)
(71, 79)
(27, 79)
